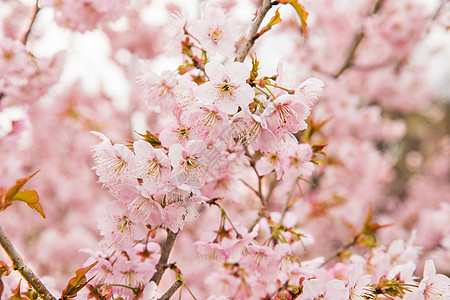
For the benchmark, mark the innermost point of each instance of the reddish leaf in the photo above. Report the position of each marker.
(76, 283)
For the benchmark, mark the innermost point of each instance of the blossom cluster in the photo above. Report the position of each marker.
(221, 122)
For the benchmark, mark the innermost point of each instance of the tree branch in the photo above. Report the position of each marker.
(23, 269)
(253, 35)
(175, 286)
(36, 10)
(351, 53)
(165, 252)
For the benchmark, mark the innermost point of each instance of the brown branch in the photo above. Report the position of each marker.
(165, 252)
(175, 286)
(358, 38)
(23, 269)
(36, 10)
(253, 35)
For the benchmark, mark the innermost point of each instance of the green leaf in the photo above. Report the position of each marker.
(151, 138)
(76, 283)
(31, 198)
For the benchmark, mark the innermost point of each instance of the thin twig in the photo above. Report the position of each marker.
(36, 10)
(340, 250)
(175, 286)
(250, 187)
(253, 35)
(23, 269)
(288, 200)
(165, 252)
(358, 38)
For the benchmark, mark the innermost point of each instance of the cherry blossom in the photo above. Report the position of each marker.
(112, 161)
(287, 113)
(158, 90)
(187, 160)
(150, 165)
(216, 32)
(226, 88)
(432, 286)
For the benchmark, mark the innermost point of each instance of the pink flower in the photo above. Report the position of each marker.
(227, 88)
(358, 286)
(216, 32)
(310, 89)
(135, 274)
(86, 15)
(316, 289)
(239, 246)
(258, 135)
(102, 272)
(187, 160)
(297, 162)
(261, 259)
(287, 113)
(159, 90)
(211, 250)
(175, 133)
(208, 121)
(145, 211)
(112, 161)
(269, 162)
(119, 230)
(176, 215)
(184, 94)
(432, 287)
(151, 165)
(174, 29)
